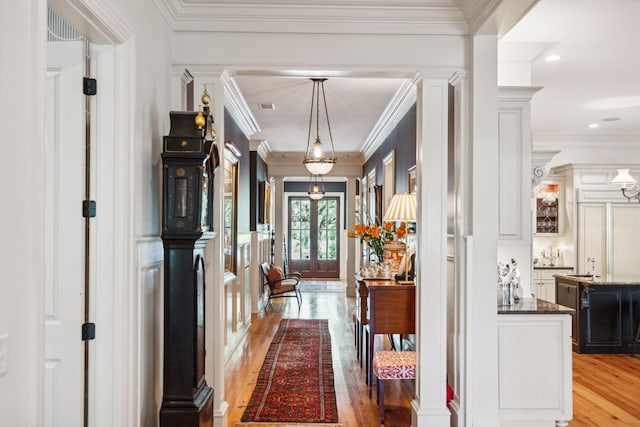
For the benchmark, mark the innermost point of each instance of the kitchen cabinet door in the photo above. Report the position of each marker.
(592, 226)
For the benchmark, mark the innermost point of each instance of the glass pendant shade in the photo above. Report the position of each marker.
(316, 187)
(316, 160)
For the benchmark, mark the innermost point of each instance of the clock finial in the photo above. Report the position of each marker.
(206, 99)
(200, 120)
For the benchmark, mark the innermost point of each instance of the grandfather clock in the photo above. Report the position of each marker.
(189, 161)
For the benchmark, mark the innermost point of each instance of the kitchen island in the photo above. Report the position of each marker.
(534, 364)
(607, 311)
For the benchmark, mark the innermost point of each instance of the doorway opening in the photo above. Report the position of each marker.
(313, 236)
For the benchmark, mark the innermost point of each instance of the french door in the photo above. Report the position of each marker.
(313, 239)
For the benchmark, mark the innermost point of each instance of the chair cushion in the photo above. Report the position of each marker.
(285, 286)
(275, 275)
(394, 364)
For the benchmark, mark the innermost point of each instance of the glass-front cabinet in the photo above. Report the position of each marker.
(547, 210)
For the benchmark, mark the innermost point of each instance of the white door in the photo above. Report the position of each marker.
(64, 234)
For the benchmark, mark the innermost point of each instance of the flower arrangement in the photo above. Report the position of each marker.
(376, 237)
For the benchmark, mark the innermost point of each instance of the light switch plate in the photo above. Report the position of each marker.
(4, 342)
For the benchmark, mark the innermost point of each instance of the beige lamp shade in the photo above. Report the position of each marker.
(401, 208)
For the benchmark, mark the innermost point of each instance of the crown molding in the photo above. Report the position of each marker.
(551, 142)
(107, 24)
(517, 93)
(261, 146)
(399, 105)
(318, 16)
(238, 108)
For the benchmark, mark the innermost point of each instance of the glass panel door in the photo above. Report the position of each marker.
(313, 237)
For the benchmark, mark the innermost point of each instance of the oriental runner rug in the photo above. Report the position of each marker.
(295, 383)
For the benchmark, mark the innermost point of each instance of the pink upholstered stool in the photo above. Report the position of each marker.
(397, 365)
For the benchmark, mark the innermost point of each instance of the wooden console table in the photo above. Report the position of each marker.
(385, 307)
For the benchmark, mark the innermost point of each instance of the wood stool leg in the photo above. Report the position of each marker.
(636, 341)
(381, 399)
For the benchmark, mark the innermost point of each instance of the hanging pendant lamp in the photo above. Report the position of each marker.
(316, 160)
(316, 187)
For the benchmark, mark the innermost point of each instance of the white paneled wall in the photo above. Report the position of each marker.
(150, 328)
(238, 288)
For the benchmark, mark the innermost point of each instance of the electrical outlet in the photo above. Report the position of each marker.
(4, 342)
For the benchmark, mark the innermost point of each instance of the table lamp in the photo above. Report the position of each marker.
(403, 208)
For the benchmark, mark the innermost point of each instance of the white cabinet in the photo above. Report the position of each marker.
(534, 370)
(544, 284)
(609, 233)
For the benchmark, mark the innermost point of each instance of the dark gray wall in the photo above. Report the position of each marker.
(259, 173)
(402, 139)
(232, 132)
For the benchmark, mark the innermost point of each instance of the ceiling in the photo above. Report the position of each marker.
(596, 80)
(597, 77)
(354, 105)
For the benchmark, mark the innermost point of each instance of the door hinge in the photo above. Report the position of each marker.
(88, 208)
(89, 86)
(88, 331)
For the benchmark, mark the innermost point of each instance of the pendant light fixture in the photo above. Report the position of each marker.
(315, 159)
(316, 187)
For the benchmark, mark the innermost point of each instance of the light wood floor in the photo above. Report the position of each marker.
(606, 387)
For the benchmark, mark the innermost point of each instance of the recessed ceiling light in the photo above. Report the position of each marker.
(552, 58)
(593, 125)
(267, 106)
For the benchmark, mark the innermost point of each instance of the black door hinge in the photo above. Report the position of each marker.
(89, 86)
(88, 208)
(88, 331)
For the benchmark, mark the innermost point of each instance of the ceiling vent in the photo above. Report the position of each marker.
(267, 106)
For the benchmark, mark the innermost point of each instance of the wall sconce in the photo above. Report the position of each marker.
(627, 184)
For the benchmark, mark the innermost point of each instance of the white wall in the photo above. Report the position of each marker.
(21, 170)
(147, 53)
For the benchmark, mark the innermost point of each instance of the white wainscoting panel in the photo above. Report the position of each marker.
(150, 328)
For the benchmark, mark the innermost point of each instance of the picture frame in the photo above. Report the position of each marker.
(265, 203)
(412, 179)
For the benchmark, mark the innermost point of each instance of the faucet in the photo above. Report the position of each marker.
(593, 273)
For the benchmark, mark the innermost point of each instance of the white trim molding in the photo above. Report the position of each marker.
(348, 17)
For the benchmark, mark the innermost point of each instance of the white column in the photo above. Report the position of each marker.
(481, 352)
(278, 201)
(514, 175)
(350, 246)
(459, 298)
(429, 406)
(214, 294)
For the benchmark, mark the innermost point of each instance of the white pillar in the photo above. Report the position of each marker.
(481, 336)
(278, 198)
(214, 293)
(429, 406)
(350, 246)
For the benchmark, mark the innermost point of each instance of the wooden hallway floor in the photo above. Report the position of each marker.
(606, 388)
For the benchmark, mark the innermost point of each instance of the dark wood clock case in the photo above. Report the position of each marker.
(187, 219)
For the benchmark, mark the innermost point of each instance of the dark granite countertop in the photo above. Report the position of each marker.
(552, 267)
(534, 306)
(606, 280)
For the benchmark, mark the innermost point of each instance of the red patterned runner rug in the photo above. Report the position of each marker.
(295, 384)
